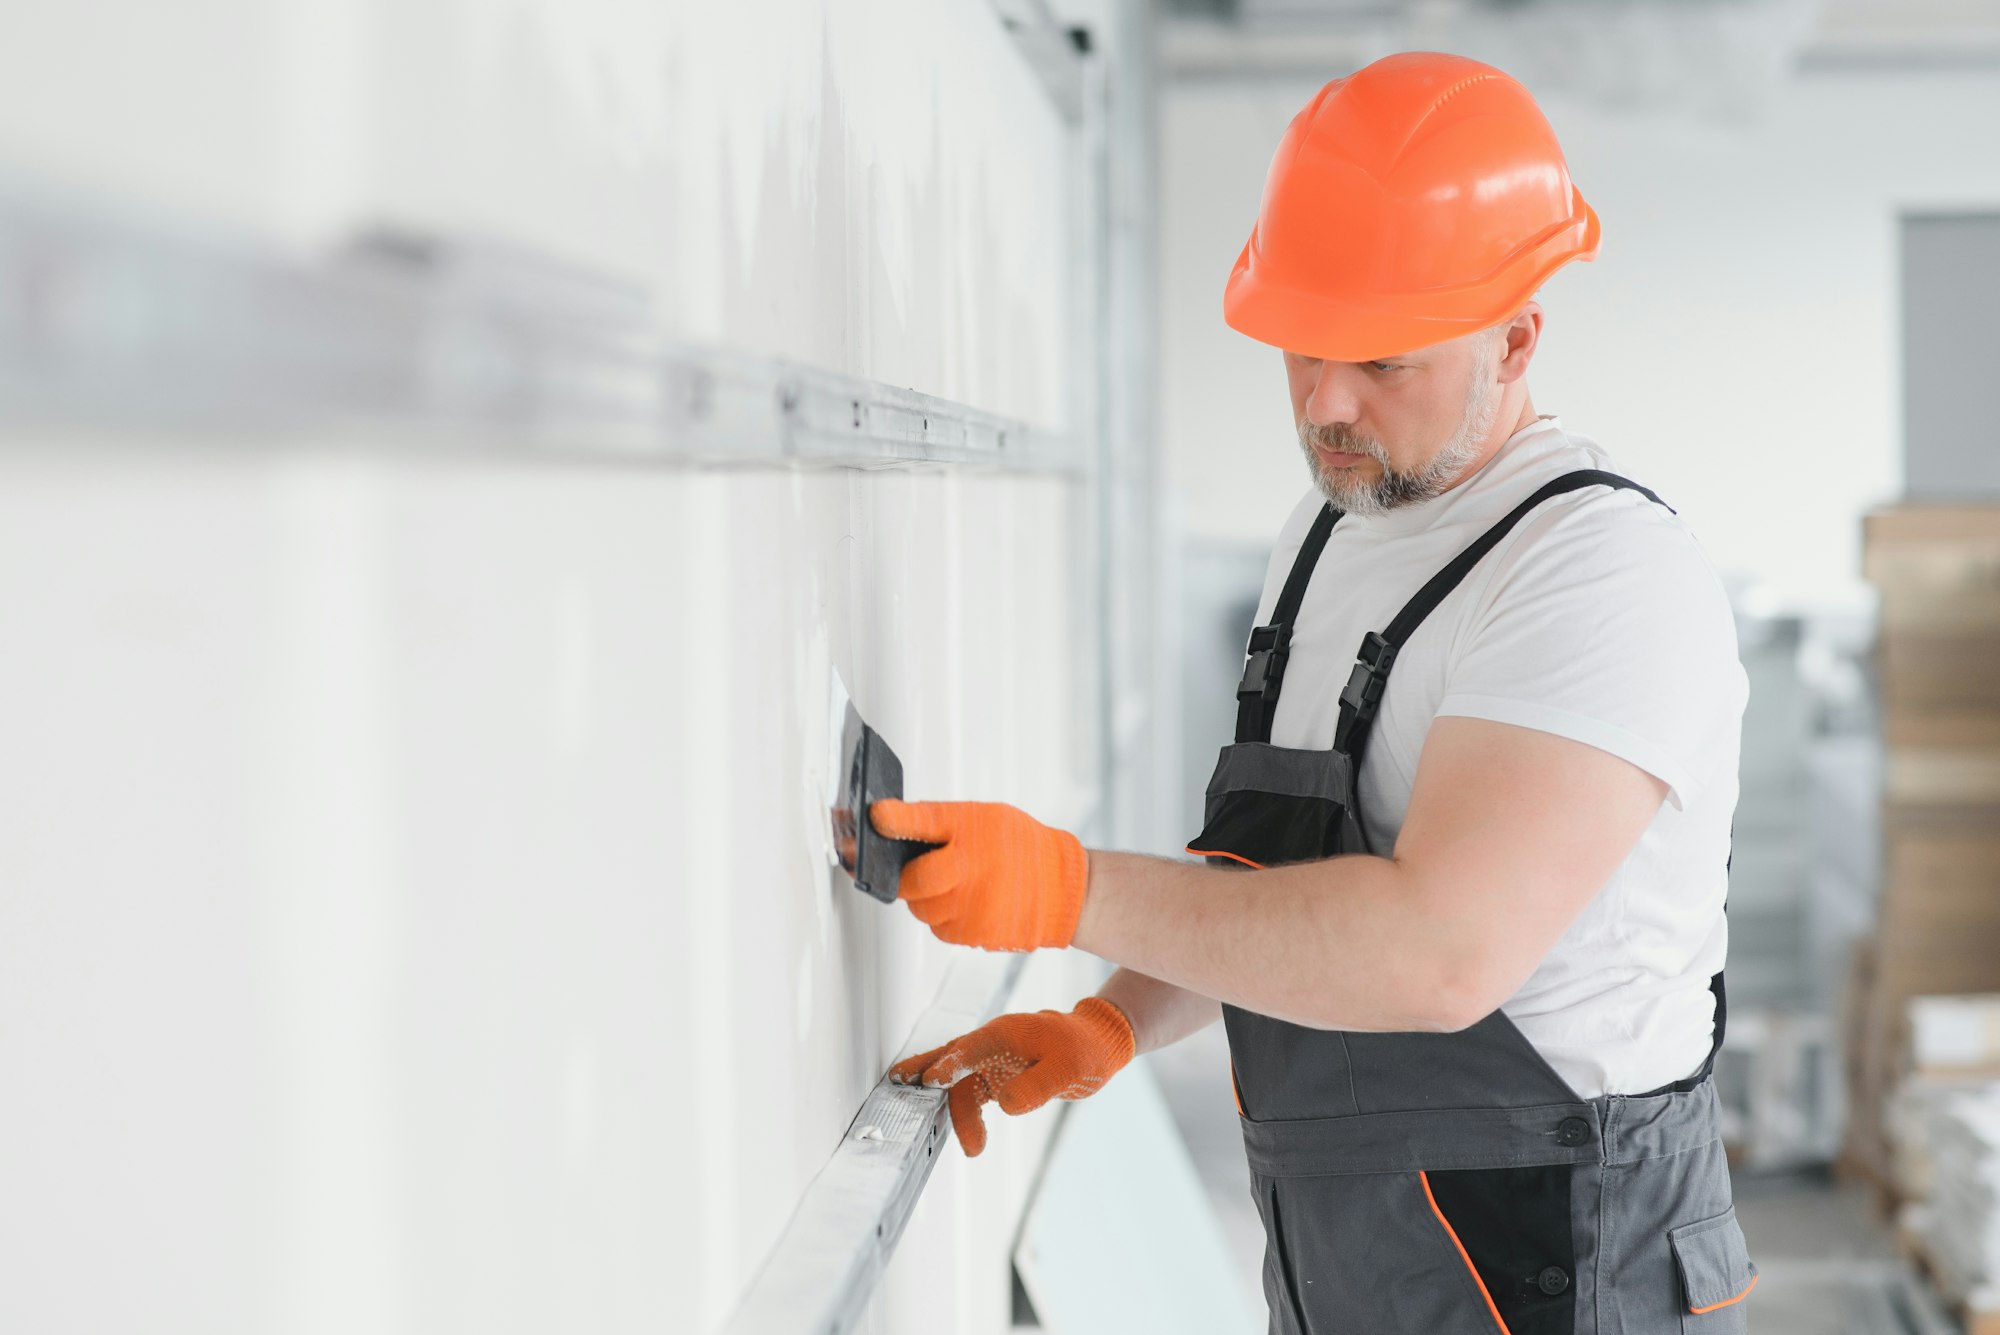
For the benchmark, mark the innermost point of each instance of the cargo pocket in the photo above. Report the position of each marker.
(1269, 805)
(1512, 1230)
(1716, 1275)
(1367, 1254)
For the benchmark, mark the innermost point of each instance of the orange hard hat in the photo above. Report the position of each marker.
(1419, 198)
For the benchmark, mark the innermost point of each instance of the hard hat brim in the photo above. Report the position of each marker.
(1374, 327)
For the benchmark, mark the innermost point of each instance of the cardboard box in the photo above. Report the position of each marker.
(1940, 889)
(1937, 568)
(1954, 1037)
(1942, 726)
(1935, 546)
(1950, 669)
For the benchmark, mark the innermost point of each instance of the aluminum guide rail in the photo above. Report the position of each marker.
(111, 325)
(820, 1276)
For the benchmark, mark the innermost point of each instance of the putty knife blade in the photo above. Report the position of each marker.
(866, 772)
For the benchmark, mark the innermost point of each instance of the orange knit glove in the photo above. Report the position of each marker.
(1021, 1061)
(1002, 881)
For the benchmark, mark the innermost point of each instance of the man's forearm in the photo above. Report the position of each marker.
(1161, 1013)
(1346, 943)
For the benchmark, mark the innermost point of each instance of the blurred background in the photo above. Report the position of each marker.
(455, 454)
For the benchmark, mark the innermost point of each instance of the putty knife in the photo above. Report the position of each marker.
(864, 771)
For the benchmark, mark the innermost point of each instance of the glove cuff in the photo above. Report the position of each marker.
(1064, 905)
(1116, 1038)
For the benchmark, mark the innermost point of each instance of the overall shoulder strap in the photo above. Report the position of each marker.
(1271, 643)
(1363, 692)
(1362, 695)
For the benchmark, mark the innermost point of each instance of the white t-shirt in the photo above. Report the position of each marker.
(1600, 619)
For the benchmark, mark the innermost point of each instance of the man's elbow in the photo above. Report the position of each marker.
(1468, 968)
(1456, 1018)
(1421, 1016)
(1460, 995)
(1440, 1004)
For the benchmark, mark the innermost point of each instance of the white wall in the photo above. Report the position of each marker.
(417, 915)
(1736, 344)
(1950, 274)
(415, 912)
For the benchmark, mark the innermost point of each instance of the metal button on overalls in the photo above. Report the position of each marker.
(1446, 1183)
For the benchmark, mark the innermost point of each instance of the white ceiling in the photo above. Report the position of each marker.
(1718, 53)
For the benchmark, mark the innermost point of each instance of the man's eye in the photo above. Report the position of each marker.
(1382, 366)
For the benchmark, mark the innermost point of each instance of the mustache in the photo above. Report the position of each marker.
(1343, 438)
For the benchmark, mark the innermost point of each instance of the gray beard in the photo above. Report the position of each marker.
(1394, 489)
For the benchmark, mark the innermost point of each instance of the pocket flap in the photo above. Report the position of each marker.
(1716, 1269)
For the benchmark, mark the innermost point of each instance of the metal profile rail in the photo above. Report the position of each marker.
(418, 343)
(819, 1277)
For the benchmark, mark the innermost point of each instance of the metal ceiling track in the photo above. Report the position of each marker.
(414, 342)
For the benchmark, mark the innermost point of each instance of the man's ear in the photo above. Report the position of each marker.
(1521, 336)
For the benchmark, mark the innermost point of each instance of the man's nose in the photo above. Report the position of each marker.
(1335, 395)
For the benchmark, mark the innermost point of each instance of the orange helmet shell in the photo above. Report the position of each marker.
(1419, 198)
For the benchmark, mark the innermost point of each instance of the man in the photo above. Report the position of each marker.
(1463, 916)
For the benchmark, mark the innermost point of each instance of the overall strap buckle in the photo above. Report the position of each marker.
(1363, 693)
(1257, 693)
(1270, 646)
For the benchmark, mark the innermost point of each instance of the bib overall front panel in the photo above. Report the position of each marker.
(1447, 1182)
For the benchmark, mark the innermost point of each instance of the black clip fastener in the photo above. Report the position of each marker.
(1269, 647)
(1363, 692)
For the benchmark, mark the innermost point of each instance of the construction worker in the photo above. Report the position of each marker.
(1462, 913)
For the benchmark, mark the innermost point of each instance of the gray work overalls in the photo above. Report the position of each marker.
(1449, 1183)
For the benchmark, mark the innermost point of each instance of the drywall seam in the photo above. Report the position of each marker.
(107, 323)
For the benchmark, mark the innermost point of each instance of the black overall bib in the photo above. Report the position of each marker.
(1449, 1184)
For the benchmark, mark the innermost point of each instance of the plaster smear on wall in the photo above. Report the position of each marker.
(880, 188)
(876, 188)
(928, 168)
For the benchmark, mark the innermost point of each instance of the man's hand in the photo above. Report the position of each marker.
(1021, 1061)
(1001, 881)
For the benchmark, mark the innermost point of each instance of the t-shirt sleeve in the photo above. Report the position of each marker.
(1606, 624)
